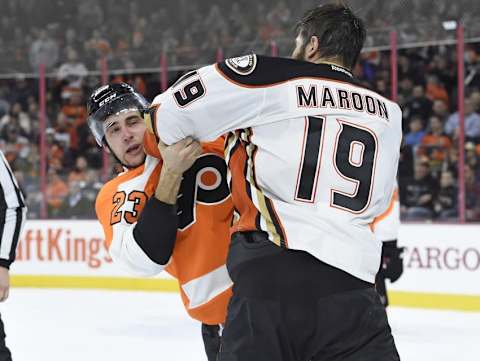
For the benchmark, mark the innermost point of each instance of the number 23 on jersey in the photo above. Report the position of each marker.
(205, 182)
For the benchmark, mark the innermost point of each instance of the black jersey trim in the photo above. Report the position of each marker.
(271, 71)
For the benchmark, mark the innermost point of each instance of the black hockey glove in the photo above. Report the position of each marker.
(392, 261)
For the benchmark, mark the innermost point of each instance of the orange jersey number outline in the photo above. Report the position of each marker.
(138, 198)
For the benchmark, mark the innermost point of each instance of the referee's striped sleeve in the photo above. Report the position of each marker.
(12, 213)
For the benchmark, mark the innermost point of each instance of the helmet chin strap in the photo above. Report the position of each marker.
(118, 159)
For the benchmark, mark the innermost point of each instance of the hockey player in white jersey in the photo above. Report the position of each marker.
(312, 159)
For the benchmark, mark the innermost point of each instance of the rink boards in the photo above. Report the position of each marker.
(442, 263)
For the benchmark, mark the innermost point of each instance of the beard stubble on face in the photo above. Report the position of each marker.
(123, 162)
(135, 157)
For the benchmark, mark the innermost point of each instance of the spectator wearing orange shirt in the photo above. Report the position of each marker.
(435, 144)
(77, 113)
(74, 108)
(56, 192)
(435, 90)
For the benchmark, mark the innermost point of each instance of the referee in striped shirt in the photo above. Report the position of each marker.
(12, 217)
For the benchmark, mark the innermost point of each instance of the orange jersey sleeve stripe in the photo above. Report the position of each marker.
(241, 191)
(387, 212)
(261, 215)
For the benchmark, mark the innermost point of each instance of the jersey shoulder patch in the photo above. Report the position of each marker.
(263, 71)
(242, 65)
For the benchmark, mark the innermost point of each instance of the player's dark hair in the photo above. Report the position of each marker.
(340, 33)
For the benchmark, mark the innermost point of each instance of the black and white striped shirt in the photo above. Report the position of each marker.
(12, 213)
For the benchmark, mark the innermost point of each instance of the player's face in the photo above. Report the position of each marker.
(124, 135)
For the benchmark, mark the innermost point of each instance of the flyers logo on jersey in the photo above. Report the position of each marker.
(243, 65)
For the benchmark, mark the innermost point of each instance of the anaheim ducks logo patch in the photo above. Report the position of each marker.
(243, 65)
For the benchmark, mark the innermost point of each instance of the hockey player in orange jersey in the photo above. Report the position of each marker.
(171, 211)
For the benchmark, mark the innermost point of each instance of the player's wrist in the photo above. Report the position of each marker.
(174, 172)
(168, 186)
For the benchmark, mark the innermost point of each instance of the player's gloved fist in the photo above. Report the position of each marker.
(179, 157)
(392, 261)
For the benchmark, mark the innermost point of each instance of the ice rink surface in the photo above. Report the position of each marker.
(80, 325)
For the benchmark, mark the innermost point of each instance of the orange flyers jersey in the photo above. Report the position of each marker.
(205, 214)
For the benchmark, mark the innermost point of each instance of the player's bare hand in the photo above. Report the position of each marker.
(179, 157)
(4, 283)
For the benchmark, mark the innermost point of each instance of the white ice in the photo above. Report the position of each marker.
(80, 325)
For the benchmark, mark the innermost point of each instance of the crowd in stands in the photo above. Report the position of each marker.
(427, 92)
(122, 32)
(133, 34)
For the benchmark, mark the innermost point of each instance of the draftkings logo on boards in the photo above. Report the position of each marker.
(57, 244)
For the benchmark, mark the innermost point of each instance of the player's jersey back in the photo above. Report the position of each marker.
(313, 156)
(205, 214)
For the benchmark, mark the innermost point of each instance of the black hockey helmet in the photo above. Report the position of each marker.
(109, 100)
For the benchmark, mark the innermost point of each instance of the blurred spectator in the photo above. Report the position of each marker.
(417, 193)
(472, 195)
(76, 114)
(419, 104)
(440, 109)
(435, 144)
(62, 132)
(90, 14)
(71, 39)
(17, 117)
(441, 68)
(44, 50)
(81, 172)
(16, 147)
(416, 134)
(97, 46)
(435, 90)
(445, 202)
(79, 203)
(21, 90)
(57, 190)
(472, 159)
(472, 122)
(472, 71)
(72, 72)
(55, 152)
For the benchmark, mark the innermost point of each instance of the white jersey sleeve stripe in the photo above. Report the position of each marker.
(125, 252)
(205, 288)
